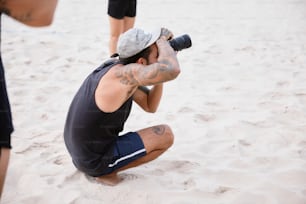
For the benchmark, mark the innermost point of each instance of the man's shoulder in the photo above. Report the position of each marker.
(105, 66)
(110, 62)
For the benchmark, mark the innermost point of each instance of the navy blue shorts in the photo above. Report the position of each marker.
(128, 148)
(120, 8)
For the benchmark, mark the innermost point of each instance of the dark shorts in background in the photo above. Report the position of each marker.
(121, 8)
(6, 126)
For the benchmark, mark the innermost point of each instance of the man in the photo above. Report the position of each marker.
(33, 13)
(103, 103)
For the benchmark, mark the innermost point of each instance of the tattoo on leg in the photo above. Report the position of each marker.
(159, 130)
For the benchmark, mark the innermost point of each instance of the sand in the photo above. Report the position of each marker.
(238, 109)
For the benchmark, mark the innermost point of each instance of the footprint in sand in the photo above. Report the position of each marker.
(33, 147)
(40, 99)
(185, 110)
(75, 176)
(189, 183)
(171, 117)
(122, 176)
(304, 192)
(157, 172)
(51, 59)
(129, 177)
(282, 83)
(302, 149)
(222, 190)
(72, 177)
(59, 160)
(44, 116)
(301, 97)
(244, 143)
(204, 118)
(180, 166)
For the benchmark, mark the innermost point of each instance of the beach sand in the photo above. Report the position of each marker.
(238, 108)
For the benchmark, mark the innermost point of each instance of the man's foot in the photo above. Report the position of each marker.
(109, 179)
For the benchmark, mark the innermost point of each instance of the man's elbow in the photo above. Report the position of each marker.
(41, 22)
(43, 17)
(46, 14)
(151, 109)
(175, 72)
(48, 21)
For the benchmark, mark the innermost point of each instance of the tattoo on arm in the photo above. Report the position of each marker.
(162, 70)
(126, 76)
(159, 130)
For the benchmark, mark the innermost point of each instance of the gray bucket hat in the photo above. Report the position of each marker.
(135, 40)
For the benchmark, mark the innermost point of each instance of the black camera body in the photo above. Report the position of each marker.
(181, 42)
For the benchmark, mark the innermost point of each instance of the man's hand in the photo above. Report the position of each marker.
(166, 34)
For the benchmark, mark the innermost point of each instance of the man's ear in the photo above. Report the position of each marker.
(142, 61)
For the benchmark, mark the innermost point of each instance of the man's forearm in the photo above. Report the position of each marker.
(167, 59)
(154, 96)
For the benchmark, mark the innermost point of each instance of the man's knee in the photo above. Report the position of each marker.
(157, 137)
(169, 137)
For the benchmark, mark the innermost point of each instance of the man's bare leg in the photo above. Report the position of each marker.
(4, 161)
(156, 140)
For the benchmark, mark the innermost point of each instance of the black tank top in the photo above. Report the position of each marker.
(89, 132)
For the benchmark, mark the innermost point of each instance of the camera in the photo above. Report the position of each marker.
(181, 42)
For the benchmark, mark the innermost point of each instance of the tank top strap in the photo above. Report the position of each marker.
(107, 64)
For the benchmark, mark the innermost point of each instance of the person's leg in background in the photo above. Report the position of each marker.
(116, 28)
(4, 161)
(122, 15)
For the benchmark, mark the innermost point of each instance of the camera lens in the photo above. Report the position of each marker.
(181, 42)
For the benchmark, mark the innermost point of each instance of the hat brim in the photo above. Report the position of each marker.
(155, 35)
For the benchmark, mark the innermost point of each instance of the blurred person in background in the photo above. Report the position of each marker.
(122, 14)
(34, 13)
